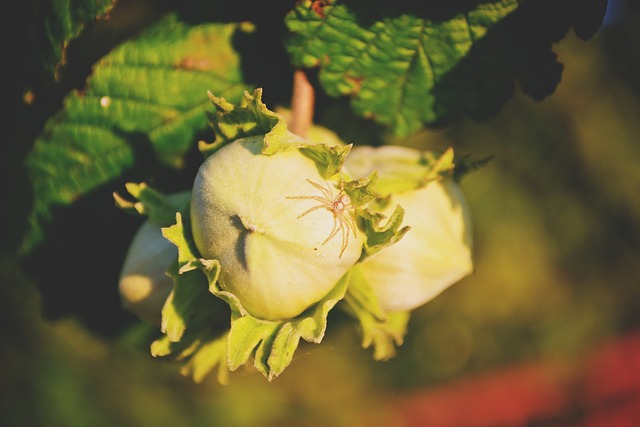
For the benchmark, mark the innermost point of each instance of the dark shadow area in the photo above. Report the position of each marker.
(516, 51)
(586, 20)
(370, 11)
(257, 11)
(205, 315)
(77, 266)
(623, 42)
(264, 60)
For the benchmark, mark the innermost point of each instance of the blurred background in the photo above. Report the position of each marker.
(546, 332)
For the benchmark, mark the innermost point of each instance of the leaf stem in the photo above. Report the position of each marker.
(302, 104)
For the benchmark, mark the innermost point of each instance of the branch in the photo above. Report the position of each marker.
(302, 103)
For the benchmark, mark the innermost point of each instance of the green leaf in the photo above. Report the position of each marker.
(328, 158)
(63, 21)
(466, 164)
(211, 354)
(180, 235)
(272, 344)
(249, 118)
(189, 303)
(150, 90)
(191, 313)
(381, 231)
(156, 206)
(362, 190)
(199, 354)
(189, 317)
(384, 331)
(402, 169)
(408, 64)
(389, 65)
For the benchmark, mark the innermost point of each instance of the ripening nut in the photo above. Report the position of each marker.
(283, 234)
(144, 284)
(437, 251)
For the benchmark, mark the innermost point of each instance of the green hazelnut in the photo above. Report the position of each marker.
(144, 284)
(282, 233)
(437, 251)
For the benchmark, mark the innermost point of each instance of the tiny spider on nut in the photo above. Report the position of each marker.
(341, 208)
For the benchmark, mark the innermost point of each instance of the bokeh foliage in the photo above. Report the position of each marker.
(404, 66)
(558, 261)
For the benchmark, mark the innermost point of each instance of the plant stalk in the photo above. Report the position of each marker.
(302, 104)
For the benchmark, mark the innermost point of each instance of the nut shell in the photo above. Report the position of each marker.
(246, 212)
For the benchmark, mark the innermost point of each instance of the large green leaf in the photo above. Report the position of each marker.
(150, 90)
(407, 64)
(63, 21)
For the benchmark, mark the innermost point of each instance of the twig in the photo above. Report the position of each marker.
(302, 103)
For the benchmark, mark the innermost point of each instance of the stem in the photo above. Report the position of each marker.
(302, 103)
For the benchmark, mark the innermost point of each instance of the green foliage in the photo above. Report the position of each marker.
(272, 344)
(408, 66)
(62, 22)
(188, 320)
(381, 330)
(150, 203)
(404, 66)
(148, 91)
(188, 315)
(250, 118)
(392, 66)
(552, 196)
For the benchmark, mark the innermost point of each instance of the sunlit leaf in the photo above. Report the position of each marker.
(378, 329)
(150, 91)
(407, 64)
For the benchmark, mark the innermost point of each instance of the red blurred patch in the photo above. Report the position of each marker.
(601, 390)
